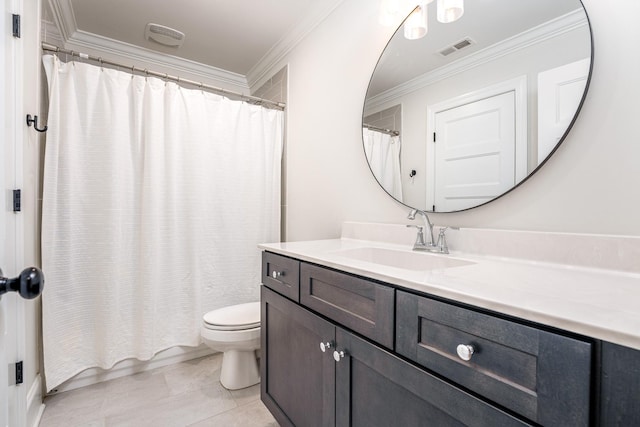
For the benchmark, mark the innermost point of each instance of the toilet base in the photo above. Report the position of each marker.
(239, 369)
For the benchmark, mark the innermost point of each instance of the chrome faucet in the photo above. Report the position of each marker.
(440, 246)
(420, 244)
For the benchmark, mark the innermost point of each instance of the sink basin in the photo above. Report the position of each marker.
(418, 261)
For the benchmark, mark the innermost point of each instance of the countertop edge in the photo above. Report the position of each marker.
(550, 319)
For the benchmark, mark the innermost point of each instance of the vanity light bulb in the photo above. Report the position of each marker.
(415, 27)
(450, 10)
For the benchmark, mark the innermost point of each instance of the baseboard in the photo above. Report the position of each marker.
(132, 366)
(35, 407)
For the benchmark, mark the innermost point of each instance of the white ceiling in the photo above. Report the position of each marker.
(238, 36)
(232, 35)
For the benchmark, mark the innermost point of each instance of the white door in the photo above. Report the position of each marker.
(559, 93)
(474, 152)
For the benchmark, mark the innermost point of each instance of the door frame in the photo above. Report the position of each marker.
(14, 411)
(519, 86)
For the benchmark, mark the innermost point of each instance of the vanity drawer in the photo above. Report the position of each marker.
(281, 274)
(361, 305)
(543, 376)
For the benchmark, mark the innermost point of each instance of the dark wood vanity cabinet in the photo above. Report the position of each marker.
(367, 386)
(518, 374)
(297, 378)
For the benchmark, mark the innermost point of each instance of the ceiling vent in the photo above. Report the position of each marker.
(164, 35)
(459, 45)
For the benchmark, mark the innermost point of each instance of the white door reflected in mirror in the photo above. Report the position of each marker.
(559, 93)
(475, 150)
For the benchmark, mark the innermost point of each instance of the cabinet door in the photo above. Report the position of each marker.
(620, 386)
(376, 388)
(298, 379)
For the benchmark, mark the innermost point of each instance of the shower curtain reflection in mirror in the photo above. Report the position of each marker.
(383, 154)
(154, 200)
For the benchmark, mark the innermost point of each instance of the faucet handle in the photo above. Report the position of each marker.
(420, 236)
(442, 239)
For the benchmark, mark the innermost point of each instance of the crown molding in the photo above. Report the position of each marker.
(64, 17)
(50, 33)
(264, 68)
(82, 39)
(73, 38)
(539, 34)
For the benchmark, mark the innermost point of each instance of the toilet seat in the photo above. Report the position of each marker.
(234, 318)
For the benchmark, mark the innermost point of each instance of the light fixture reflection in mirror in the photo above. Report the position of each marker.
(476, 102)
(415, 26)
(450, 10)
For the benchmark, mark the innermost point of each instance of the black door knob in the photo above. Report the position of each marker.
(28, 284)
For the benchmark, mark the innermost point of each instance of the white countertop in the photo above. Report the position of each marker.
(596, 302)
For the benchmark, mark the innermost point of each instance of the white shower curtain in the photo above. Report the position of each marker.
(155, 198)
(383, 153)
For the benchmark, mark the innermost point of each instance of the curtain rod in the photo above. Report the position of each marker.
(200, 85)
(383, 130)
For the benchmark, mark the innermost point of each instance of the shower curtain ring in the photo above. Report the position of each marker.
(101, 64)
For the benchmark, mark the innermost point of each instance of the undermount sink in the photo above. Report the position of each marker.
(402, 259)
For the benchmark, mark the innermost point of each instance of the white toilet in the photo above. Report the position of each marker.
(235, 331)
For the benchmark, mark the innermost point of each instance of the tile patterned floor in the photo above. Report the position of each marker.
(180, 395)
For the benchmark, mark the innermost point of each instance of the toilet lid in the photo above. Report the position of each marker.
(235, 317)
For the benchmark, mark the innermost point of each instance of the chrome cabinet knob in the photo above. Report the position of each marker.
(277, 274)
(465, 351)
(338, 355)
(324, 346)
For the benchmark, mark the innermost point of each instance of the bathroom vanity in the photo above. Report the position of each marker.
(367, 332)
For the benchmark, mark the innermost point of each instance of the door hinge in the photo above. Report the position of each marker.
(17, 196)
(19, 373)
(434, 137)
(16, 26)
(433, 208)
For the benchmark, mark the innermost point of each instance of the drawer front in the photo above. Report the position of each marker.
(281, 274)
(376, 388)
(359, 304)
(545, 377)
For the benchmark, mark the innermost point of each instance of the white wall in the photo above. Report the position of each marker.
(588, 185)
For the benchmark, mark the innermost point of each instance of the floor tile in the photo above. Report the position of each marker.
(180, 395)
(250, 415)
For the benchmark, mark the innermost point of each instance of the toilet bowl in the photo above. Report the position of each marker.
(235, 331)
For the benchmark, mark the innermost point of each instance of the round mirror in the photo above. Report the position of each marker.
(468, 111)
